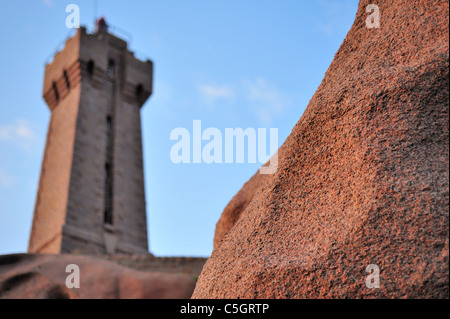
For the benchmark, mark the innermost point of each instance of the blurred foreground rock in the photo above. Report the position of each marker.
(43, 276)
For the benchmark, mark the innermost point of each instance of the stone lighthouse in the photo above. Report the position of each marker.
(91, 197)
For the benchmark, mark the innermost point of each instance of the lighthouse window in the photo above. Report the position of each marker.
(55, 90)
(108, 123)
(139, 90)
(110, 69)
(107, 214)
(66, 77)
(90, 68)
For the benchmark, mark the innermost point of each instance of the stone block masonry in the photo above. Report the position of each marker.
(91, 196)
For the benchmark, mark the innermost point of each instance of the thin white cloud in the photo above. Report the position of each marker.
(20, 129)
(48, 3)
(262, 96)
(20, 132)
(266, 97)
(211, 92)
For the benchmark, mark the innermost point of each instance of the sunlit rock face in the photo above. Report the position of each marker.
(362, 180)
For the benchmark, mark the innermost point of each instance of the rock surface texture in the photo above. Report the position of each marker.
(27, 276)
(362, 179)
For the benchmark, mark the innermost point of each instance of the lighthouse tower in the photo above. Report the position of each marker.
(91, 197)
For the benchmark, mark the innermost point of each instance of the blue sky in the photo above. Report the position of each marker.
(228, 63)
